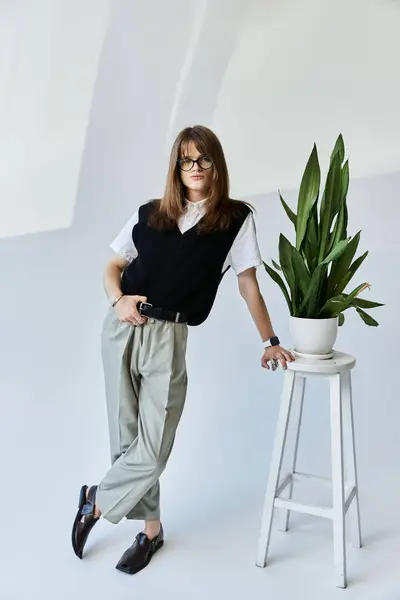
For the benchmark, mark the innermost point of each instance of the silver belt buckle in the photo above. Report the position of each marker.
(178, 314)
(144, 304)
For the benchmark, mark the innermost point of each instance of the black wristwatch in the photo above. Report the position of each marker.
(274, 341)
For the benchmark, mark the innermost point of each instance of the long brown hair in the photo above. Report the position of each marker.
(220, 208)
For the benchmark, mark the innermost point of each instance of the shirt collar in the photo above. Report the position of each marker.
(197, 206)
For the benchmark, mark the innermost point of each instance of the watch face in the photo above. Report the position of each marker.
(274, 341)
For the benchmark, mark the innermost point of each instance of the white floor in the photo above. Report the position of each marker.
(211, 558)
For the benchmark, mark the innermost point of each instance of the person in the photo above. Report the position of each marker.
(169, 260)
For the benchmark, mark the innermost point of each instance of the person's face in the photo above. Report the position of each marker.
(196, 178)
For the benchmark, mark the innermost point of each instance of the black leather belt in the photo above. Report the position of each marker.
(150, 311)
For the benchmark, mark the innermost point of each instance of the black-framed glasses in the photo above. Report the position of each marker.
(187, 164)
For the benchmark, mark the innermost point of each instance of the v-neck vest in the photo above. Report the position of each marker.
(179, 271)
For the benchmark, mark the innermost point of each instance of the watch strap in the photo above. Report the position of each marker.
(273, 341)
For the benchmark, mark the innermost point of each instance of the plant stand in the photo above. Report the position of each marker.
(344, 469)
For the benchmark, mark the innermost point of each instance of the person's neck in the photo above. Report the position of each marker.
(194, 196)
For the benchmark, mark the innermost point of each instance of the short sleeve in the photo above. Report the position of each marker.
(245, 253)
(123, 244)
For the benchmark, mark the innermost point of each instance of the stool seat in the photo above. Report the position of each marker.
(339, 363)
(337, 370)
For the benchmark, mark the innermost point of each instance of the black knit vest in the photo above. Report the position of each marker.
(179, 272)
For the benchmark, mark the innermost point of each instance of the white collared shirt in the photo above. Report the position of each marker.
(244, 252)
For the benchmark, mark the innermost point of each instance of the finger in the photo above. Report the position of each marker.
(282, 360)
(288, 356)
(135, 314)
(136, 309)
(141, 320)
(264, 363)
(134, 318)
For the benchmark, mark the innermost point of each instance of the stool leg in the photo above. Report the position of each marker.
(275, 468)
(338, 481)
(351, 462)
(298, 399)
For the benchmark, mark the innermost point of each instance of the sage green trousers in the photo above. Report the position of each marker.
(145, 382)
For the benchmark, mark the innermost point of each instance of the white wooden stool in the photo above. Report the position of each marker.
(344, 470)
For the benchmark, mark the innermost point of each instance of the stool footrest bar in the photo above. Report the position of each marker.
(308, 509)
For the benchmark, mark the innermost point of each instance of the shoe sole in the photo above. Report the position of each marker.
(134, 571)
(82, 500)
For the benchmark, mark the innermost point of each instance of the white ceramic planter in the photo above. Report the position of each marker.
(314, 337)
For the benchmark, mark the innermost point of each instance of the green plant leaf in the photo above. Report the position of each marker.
(310, 247)
(345, 180)
(339, 149)
(309, 255)
(277, 267)
(336, 252)
(330, 205)
(333, 306)
(341, 319)
(308, 195)
(292, 216)
(285, 260)
(340, 266)
(311, 299)
(346, 220)
(340, 303)
(351, 272)
(368, 320)
(340, 229)
(317, 291)
(301, 272)
(362, 303)
(278, 279)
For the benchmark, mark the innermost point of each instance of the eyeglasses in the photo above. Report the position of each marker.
(186, 164)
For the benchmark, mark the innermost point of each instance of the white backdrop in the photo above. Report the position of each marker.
(163, 66)
(49, 52)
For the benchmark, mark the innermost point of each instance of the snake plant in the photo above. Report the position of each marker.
(317, 269)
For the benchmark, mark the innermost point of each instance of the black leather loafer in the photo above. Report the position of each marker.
(84, 520)
(139, 555)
